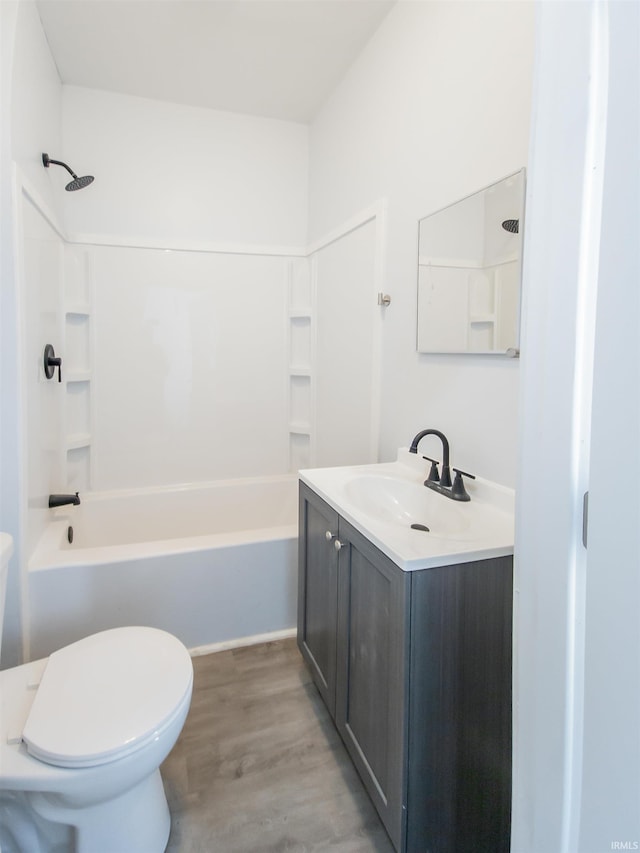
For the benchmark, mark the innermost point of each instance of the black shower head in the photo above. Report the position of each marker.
(77, 183)
(511, 225)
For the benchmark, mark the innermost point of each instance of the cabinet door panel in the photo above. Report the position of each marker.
(367, 711)
(371, 675)
(317, 593)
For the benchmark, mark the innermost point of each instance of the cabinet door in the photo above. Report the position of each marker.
(372, 683)
(318, 592)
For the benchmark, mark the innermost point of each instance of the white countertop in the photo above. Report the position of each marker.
(382, 501)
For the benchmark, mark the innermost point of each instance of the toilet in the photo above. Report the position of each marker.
(82, 736)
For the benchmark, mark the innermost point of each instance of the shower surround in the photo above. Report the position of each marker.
(173, 422)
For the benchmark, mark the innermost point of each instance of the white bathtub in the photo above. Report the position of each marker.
(213, 564)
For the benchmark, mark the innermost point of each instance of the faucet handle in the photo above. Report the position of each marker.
(464, 474)
(434, 476)
(458, 491)
(51, 361)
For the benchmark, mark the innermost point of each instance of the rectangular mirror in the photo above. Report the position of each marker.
(469, 272)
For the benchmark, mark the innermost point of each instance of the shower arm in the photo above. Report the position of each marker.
(46, 161)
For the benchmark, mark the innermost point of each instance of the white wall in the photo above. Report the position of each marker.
(9, 422)
(174, 174)
(36, 104)
(436, 107)
(31, 105)
(41, 252)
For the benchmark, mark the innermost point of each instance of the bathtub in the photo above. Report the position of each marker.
(214, 564)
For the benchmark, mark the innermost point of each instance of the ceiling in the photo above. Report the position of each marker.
(273, 58)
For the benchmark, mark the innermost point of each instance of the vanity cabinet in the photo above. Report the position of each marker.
(415, 669)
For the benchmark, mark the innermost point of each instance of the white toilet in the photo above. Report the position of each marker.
(82, 737)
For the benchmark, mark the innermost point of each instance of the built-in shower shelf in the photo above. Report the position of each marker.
(300, 346)
(480, 263)
(77, 367)
(482, 318)
(451, 263)
(77, 440)
(300, 428)
(80, 309)
(78, 376)
(501, 260)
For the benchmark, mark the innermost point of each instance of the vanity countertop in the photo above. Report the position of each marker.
(383, 500)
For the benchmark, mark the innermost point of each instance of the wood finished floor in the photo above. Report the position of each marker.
(259, 767)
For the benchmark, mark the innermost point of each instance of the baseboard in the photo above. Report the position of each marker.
(239, 642)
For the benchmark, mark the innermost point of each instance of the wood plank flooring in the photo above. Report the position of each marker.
(259, 767)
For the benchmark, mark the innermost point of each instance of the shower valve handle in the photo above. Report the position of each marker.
(51, 361)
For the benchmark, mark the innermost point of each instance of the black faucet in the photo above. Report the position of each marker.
(442, 484)
(63, 500)
(445, 477)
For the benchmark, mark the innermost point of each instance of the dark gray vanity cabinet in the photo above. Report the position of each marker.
(415, 668)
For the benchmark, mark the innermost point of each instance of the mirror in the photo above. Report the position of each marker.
(469, 272)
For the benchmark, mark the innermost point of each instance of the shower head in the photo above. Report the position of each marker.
(77, 183)
(511, 225)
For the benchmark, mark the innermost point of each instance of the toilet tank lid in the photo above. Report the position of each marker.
(107, 695)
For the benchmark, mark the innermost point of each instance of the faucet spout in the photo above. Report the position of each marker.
(445, 478)
(63, 500)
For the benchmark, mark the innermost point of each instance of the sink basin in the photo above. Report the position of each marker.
(395, 501)
(414, 526)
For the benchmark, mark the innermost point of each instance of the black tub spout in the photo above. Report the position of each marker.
(63, 500)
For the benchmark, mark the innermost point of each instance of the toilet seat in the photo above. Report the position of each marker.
(107, 696)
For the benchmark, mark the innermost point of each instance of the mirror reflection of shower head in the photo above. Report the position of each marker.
(77, 183)
(511, 225)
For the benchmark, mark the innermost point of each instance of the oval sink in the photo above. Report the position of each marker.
(395, 501)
